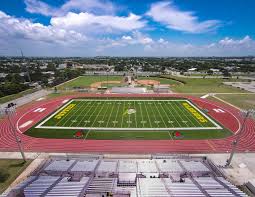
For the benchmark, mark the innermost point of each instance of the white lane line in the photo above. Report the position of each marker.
(26, 124)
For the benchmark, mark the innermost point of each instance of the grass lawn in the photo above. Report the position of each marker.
(86, 81)
(207, 85)
(243, 101)
(161, 80)
(12, 168)
(128, 119)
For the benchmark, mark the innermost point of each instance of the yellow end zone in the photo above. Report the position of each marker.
(64, 111)
(195, 113)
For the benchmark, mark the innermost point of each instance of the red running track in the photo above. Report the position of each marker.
(230, 119)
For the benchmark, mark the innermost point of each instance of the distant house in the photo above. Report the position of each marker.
(62, 66)
(192, 69)
(216, 71)
(2, 75)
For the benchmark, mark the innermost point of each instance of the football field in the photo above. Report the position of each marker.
(129, 115)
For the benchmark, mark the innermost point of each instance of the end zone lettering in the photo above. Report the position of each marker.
(64, 111)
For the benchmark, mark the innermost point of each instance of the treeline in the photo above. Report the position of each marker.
(9, 88)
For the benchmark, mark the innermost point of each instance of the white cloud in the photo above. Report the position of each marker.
(161, 47)
(186, 21)
(87, 21)
(38, 39)
(228, 42)
(93, 6)
(25, 29)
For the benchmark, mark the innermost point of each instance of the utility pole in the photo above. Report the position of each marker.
(10, 110)
(246, 115)
(28, 75)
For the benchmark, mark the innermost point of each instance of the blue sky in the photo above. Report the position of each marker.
(127, 28)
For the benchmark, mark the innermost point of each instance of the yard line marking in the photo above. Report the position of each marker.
(135, 115)
(88, 105)
(103, 118)
(160, 114)
(102, 106)
(141, 112)
(80, 108)
(123, 109)
(172, 115)
(98, 105)
(115, 119)
(147, 115)
(169, 121)
(79, 111)
(110, 115)
(179, 111)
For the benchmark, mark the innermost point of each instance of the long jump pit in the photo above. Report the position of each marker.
(41, 125)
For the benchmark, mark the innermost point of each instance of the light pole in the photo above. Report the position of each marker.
(246, 115)
(10, 110)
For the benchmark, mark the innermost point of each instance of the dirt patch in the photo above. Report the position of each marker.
(148, 82)
(99, 84)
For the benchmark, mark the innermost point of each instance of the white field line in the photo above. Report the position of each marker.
(117, 113)
(166, 114)
(38, 126)
(81, 110)
(205, 96)
(98, 105)
(73, 115)
(214, 96)
(192, 116)
(147, 115)
(179, 111)
(141, 112)
(153, 114)
(122, 115)
(172, 109)
(86, 106)
(217, 126)
(135, 116)
(109, 128)
(160, 113)
(90, 107)
(170, 135)
(102, 107)
(128, 100)
(172, 115)
(86, 135)
(131, 129)
(109, 116)
(103, 116)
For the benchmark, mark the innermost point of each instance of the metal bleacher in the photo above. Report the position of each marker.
(158, 177)
(65, 188)
(40, 186)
